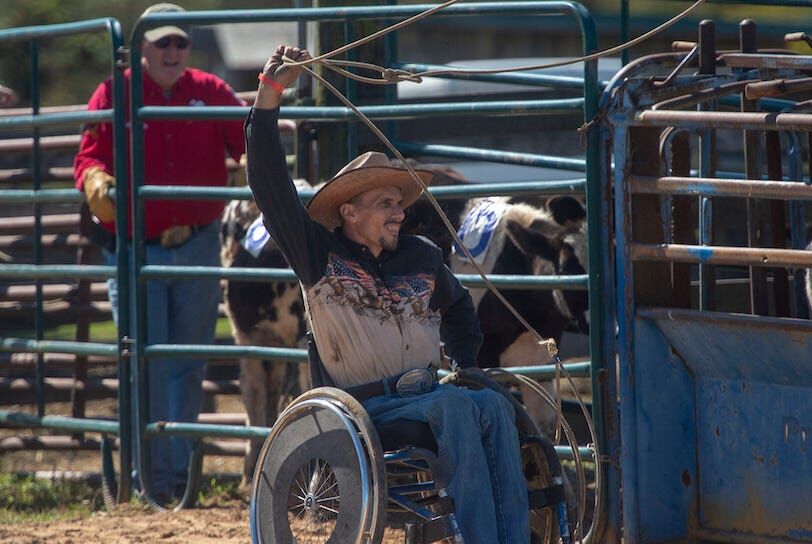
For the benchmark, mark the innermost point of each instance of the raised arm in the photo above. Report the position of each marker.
(302, 240)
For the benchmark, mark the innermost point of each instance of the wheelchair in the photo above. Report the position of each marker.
(327, 474)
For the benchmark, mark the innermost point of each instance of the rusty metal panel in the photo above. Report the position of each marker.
(754, 459)
(724, 425)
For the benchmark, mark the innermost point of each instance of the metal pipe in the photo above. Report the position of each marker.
(777, 190)
(56, 119)
(57, 271)
(205, 17)
(471, 190)
(506, 157)
(704, 95)
(396, 111)
(734, 256)
(756, 212)
(513, 78)
(722, 119)
(503, 281)
(40, 196)
(777, 87)
(57, 346)
(707, 166)
(20, 419)
(759, 60)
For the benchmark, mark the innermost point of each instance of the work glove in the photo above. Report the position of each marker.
(97, 183)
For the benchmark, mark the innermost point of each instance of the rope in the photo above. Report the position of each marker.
(483, 71)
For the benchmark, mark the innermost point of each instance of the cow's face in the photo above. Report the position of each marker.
(554, 241)
(237, 217)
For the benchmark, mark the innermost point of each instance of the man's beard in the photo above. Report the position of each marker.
(389, 244)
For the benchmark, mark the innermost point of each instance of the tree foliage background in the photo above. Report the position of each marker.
(70, 67)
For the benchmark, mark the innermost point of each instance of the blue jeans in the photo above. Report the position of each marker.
(178, 312)
(479, 454)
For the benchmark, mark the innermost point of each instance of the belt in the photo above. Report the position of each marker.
(176, 236)
(409, 384)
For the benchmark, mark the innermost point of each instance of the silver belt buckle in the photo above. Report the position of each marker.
(415, 382)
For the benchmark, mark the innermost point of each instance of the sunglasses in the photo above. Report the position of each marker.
(179, 41)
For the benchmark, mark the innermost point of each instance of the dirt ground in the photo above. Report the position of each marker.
(220, 521)
(223, 521)
(134, 523)
(220, 524)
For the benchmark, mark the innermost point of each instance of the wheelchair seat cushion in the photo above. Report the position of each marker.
(403, 433)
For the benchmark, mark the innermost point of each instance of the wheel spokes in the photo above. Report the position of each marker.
(313, 502)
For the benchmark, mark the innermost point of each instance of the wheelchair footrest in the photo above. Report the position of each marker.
(426, 532)
(548, 496)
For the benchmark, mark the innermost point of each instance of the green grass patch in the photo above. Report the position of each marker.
(214, 492)
(105, 331)
(26, 498)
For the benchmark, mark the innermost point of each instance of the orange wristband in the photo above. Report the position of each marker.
(272, 83)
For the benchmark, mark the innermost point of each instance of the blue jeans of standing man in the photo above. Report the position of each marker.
(479, 454)
(179, 311)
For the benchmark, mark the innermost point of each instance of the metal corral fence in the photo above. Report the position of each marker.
(140, 114)
(134, 349)
(713, 402)
(37, 271)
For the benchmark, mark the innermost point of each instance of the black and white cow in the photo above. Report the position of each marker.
(261, 314)
(529, 239)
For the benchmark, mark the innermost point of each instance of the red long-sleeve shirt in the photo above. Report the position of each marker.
(176, 152)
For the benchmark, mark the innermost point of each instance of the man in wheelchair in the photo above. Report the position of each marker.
(379, 304)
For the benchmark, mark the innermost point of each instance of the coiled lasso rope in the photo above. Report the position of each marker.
(390, 76)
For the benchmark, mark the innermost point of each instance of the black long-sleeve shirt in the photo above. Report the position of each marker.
(371, 317)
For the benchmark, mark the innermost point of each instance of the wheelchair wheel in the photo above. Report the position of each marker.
(320, 476)
(543, 521)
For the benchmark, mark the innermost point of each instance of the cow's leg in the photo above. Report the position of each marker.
(255, 398)
(275, 373)
(525, 351)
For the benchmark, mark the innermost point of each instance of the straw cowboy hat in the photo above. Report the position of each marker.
(368, 171)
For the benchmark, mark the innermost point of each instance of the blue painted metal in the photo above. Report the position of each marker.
(518, 188)
(507, 157)
(517, 78)
(395, 111)
(713, 405)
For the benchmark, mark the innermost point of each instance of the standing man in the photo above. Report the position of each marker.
(180, 232)
(379, 304)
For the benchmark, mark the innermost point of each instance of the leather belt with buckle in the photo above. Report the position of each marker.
(176, 236)
(409, 384)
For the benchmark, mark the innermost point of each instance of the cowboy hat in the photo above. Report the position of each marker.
(368, 171)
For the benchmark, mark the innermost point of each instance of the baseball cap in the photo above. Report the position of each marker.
(155, 34)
